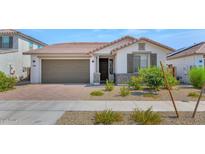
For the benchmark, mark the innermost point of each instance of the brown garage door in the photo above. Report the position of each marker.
(65, 71)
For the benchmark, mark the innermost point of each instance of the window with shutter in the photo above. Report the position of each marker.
(6, 42)
(30, 45)
(153, 59)
(10, 42)
(130, 63)
(137, 63)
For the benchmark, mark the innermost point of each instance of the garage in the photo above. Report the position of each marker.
(65, 71)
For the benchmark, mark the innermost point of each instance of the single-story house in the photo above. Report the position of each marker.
(95, 62)
(184, 59)
(12, 45)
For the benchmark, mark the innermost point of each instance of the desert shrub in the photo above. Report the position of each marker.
(152, 77)
(6, 82)
(124, 91)
(150, 95)
(193, 94)
(109, 85)
(147, 117)
(96, 93)
(107, 117)
(197, 76)
(135, 82)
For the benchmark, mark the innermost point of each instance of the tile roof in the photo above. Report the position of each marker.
(68, 48)
(198, 48)
(77, 47)
(156, 43)
(113, 42)
(143, 39)
(88, 47)
(15, 32)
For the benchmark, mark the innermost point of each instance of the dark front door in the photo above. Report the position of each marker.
(103, 69)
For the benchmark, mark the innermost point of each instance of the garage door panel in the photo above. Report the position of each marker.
(65, 71)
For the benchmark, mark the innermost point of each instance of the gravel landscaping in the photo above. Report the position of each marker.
(168, 118)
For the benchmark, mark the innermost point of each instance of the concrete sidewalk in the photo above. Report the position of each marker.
(47, 112)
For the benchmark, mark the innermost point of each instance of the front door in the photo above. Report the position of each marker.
(103, 68)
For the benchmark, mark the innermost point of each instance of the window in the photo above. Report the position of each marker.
(6, 42)
(39, 46)
(141, 46)
(140, 61)
(136, 63)
(30, 45)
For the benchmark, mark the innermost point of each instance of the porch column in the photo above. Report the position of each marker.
(96, 73)
(97, 64)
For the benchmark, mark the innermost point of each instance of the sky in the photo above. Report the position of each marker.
(175, 38)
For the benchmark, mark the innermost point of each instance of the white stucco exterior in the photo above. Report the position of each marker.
(14, 57)
(121, 56)
(107, 50)
(184, 64)
(119, 59)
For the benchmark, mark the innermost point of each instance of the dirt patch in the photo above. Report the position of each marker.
(168, 118)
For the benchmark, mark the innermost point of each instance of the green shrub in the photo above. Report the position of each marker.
(152, 77)
(147, 117)
(197, 76)
(193, 94)
(172, 81)
(109, 85)
(135, 82)
(124, 91)
(97, 93)
(107, 117)
(6, 82)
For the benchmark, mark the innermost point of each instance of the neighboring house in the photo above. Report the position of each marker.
(184, 59)
(12, 46)
(95, 62)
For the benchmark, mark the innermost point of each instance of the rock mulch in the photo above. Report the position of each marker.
(168, 118)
